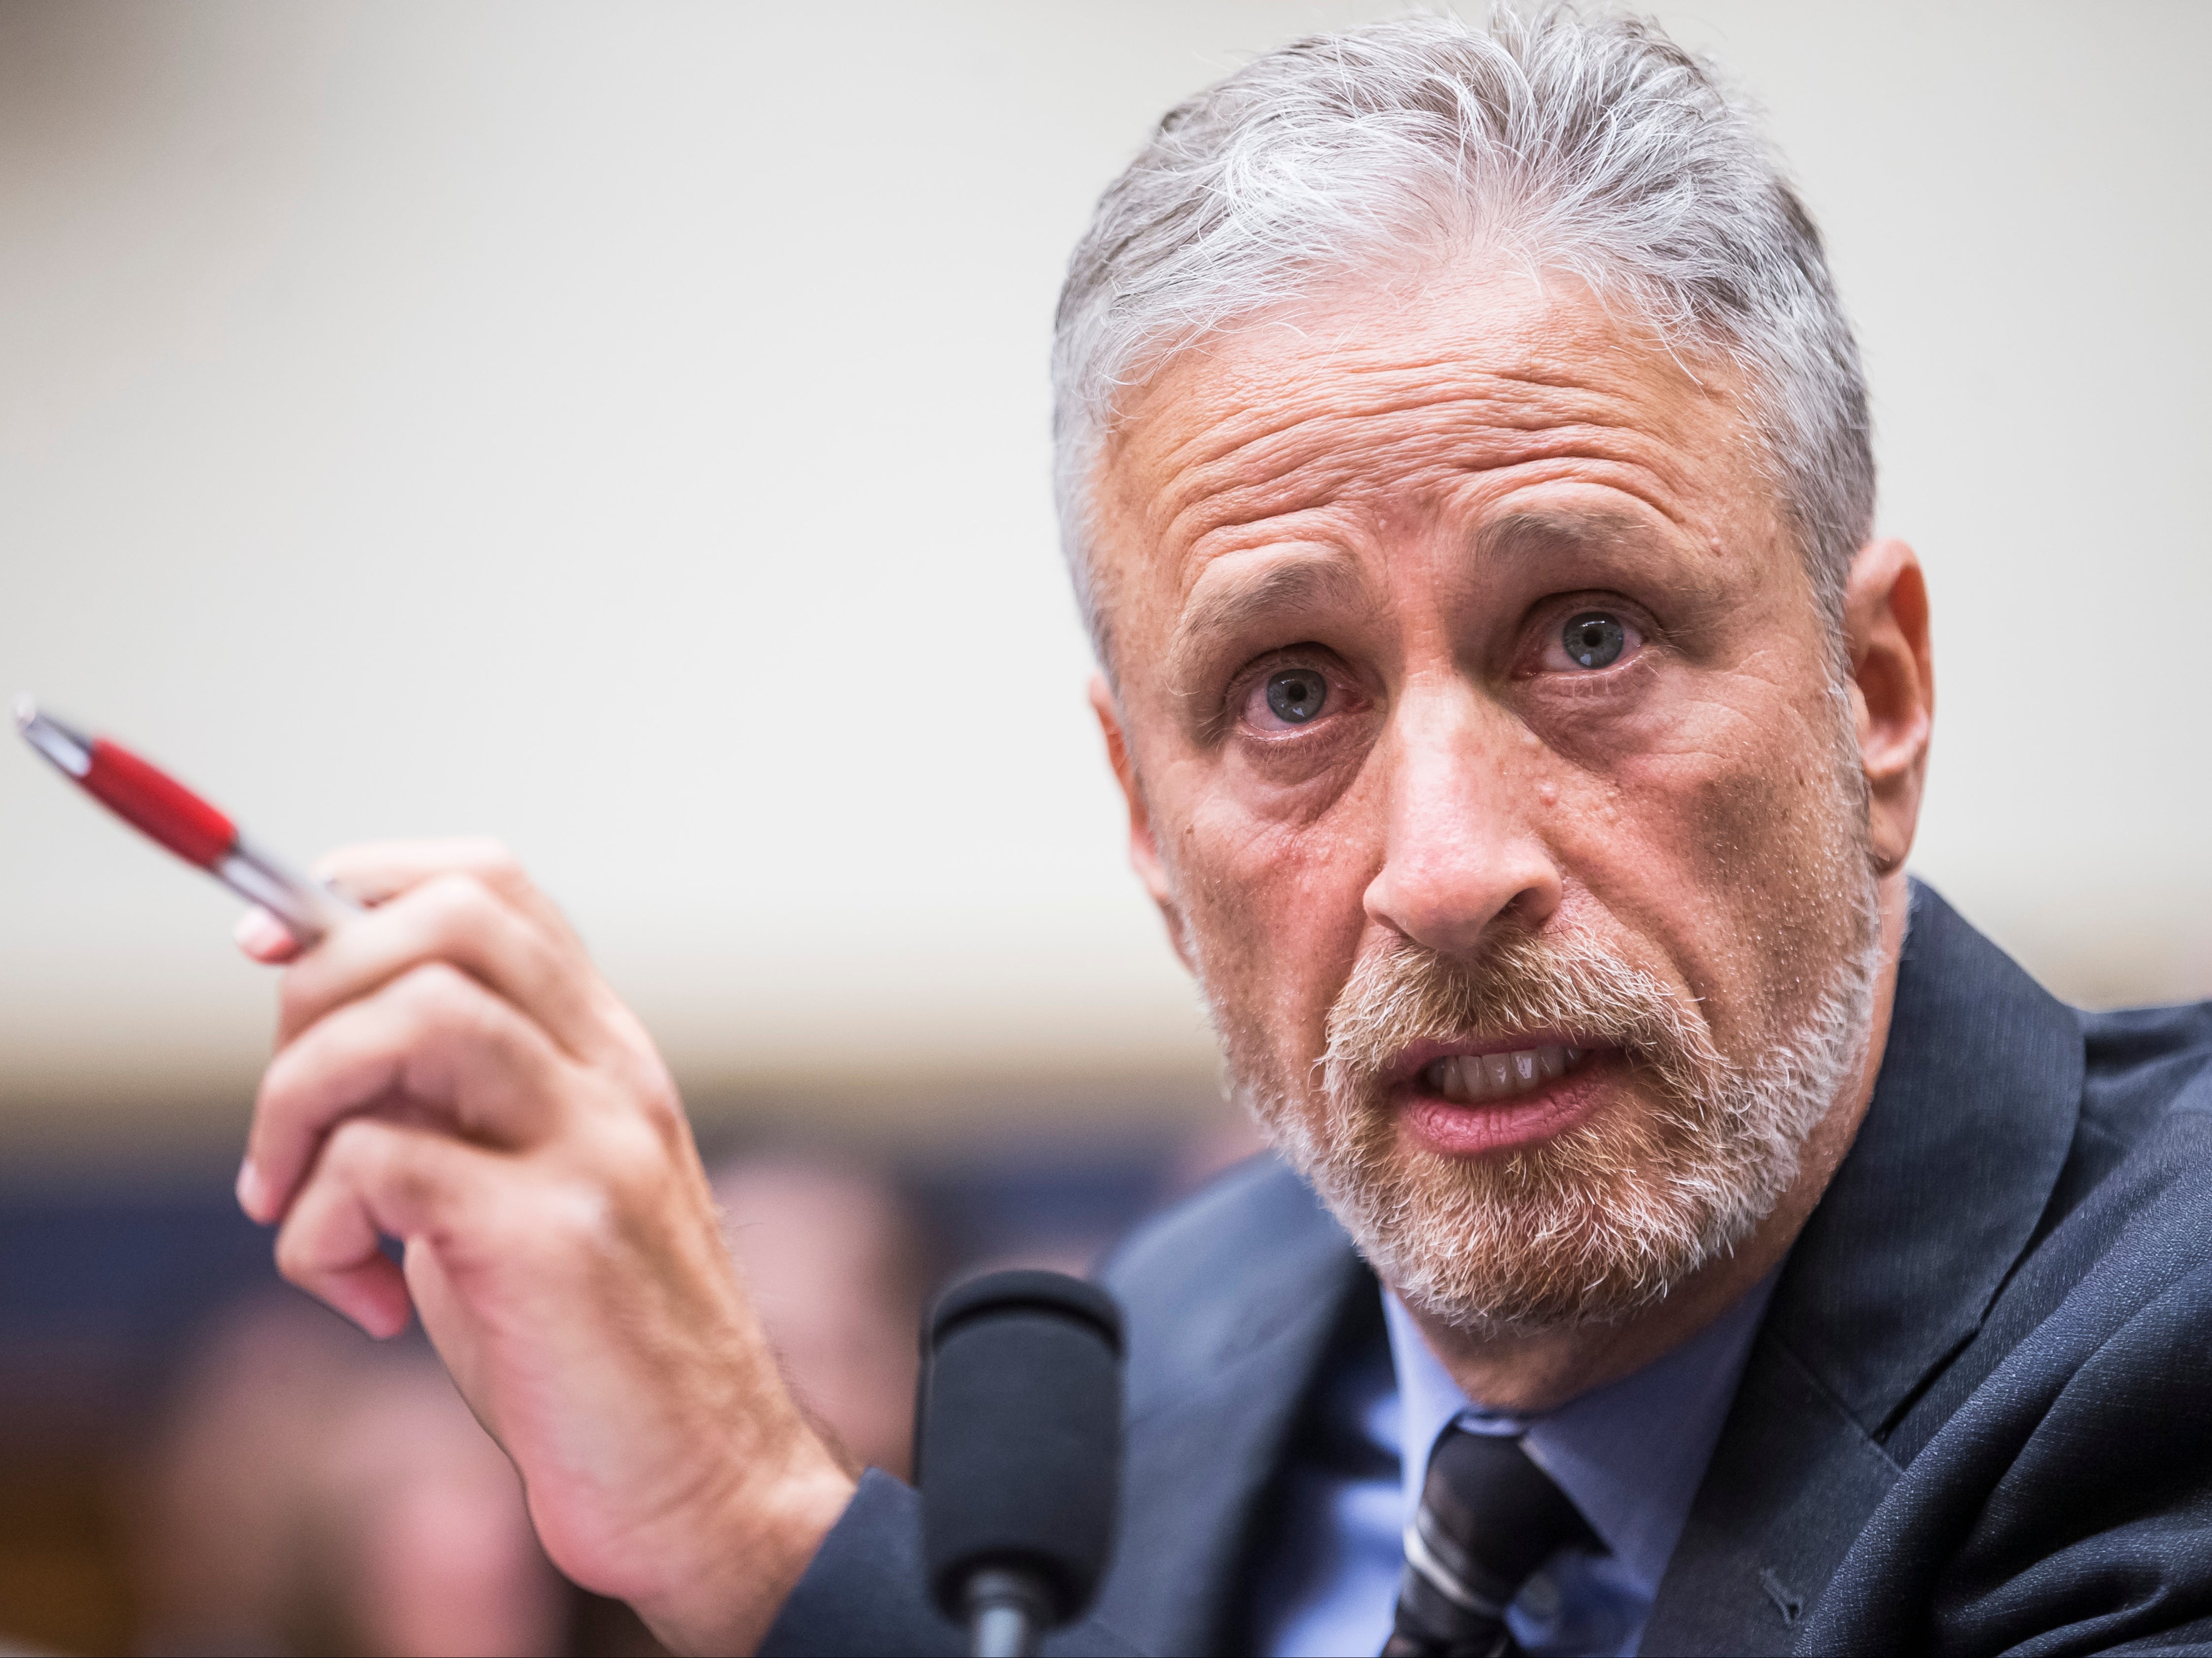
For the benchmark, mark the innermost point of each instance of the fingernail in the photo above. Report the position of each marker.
(259, 932)
(250, 1193)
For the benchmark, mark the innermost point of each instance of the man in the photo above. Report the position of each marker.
(1465, 468)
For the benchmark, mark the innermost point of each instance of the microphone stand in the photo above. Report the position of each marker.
(1008, 1612)
(1018, 1450)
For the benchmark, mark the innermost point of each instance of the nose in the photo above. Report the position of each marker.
(1461, 857)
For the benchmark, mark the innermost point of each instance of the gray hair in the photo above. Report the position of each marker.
(1595, 146)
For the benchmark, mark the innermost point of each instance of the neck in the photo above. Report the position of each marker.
(1543, 1369)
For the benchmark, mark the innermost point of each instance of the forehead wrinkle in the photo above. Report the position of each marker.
(1219, 443)
(1380, 379)
(1633, 461)
(1259, 462)
(1277, 430)
(1469, 331)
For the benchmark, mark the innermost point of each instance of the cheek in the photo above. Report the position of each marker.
(1777, 821)
(1276, 913)
(1738, 823)
(1740, 868)
(1777, 855)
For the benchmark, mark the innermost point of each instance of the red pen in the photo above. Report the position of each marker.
(157, 805)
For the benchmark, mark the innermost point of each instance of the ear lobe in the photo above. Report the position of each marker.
(1143, 851)
(1886, 627)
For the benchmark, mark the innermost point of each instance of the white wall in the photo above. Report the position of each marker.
(623, 428)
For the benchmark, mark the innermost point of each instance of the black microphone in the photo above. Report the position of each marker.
(1019, 1454)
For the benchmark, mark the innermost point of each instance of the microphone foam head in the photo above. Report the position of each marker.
(1019, 1447)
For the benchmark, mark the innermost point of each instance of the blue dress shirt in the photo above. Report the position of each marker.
(1629, 1455)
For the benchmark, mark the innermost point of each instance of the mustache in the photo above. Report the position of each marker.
(1406, 993)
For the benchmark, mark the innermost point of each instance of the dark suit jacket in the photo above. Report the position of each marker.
(1977, 1418)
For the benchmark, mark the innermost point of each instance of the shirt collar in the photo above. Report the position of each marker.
(1629, 1455)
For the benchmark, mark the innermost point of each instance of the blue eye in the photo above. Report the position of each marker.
(1594, 640)
(1296, 695)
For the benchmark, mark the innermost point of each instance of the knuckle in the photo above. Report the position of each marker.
(659, 1107)
(488, 851)
(435, 993)
(560, 1219)
(297, 997)
(341, 862)
(491, 860)
(350, 1153)
(284, 1101)
(633, 1162)
(298, 1262)
(457, 905)
(502, 872)
(271, 1096)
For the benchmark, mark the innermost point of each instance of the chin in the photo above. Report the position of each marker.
(1581, 1208)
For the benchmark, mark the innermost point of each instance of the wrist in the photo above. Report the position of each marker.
(753, 1546)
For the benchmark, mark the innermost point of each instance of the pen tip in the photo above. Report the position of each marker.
(27, 710)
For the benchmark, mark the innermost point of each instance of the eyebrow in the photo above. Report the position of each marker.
(1623, 543)
(1307, 581)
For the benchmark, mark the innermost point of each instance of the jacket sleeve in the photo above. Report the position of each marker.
(865, 1591)
(2067, 1508)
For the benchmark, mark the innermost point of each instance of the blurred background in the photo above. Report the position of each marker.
(623, 429)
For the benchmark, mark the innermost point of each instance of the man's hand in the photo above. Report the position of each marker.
(450, 1071)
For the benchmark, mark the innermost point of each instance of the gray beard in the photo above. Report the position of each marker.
(1607, 1217)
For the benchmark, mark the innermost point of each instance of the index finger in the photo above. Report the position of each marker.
(374, 871)
(434, 1045)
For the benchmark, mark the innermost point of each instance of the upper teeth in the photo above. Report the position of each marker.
(1468, 1079)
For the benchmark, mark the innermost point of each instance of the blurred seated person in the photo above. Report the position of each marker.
(311, 1492)
(839, 1265)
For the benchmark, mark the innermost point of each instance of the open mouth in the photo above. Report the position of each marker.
(1481, 1078)
(1473, 1105)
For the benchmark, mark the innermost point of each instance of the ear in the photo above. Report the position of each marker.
(1143, 851)
(1892, 690)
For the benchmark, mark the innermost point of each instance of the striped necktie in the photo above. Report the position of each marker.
(1489, 1518)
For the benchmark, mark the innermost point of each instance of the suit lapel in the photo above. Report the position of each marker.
(1972, 1115)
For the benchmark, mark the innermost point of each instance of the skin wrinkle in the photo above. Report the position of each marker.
(1683, 816)
(1243, 516)
(1208, 613)
(1438, 273)
(1246, 507)
(1324, 466)
(1435, 379)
